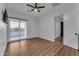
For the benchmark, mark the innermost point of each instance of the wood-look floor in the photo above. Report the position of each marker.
(59, 40)
(39, 47)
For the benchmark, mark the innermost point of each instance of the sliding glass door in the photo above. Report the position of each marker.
(17, 29)
(23, 29)
(13, 29)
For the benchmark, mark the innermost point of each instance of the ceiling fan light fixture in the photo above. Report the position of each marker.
(35, 10)
(36, 7)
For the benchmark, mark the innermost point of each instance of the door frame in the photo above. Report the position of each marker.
(59, 18)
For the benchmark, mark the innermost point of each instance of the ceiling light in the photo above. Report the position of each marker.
(35, 10)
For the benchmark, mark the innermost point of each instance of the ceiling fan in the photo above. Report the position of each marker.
(35, 7)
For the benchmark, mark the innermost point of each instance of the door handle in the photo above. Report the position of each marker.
(76, 34)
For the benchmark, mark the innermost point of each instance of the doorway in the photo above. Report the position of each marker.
(59, 25)
(61, 29)
(17, 29)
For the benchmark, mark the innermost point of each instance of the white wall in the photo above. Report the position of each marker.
(31, 28)
(72, 25)
(46, 28)
(3, 32)
(70, 28)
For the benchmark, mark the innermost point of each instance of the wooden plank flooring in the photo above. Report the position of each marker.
(59, 40)
(39, 47)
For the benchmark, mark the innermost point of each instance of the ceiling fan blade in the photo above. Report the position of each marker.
(36, 5)
(41, 7)
(38, 10)
(32, 9)
(30, 5)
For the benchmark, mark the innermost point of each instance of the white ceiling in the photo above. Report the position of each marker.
(24, 9)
